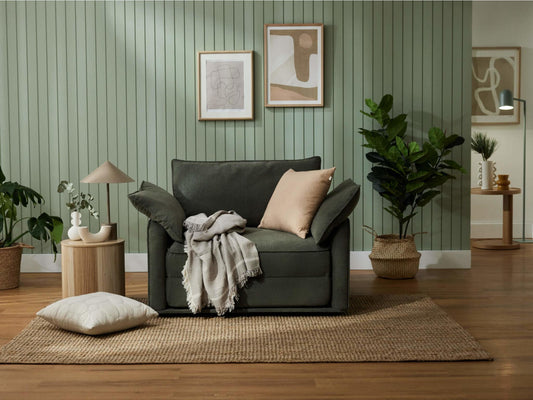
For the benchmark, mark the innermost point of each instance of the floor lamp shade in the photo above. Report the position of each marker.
(506, 100)
(108, 173)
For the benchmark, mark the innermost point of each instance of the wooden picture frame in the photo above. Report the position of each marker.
(294, 65)
(493, 70)
(225, 85)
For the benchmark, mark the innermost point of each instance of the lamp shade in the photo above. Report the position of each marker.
(506, 100)
(107, 173)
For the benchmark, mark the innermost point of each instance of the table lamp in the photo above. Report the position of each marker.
(507, 103)
(108, 173)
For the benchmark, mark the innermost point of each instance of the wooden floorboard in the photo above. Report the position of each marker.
(493, 301)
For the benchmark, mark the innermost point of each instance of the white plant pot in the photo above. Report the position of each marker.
(487, 175)
(75, 220)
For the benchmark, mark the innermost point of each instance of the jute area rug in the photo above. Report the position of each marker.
(376, 328)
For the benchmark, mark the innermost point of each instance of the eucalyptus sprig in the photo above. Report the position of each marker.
(77, 201)
(483, 145)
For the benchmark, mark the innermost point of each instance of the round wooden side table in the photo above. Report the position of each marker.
(92, 267)
(506, 243)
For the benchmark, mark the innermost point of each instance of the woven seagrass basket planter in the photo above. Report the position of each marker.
(10, 266)
(394, 258)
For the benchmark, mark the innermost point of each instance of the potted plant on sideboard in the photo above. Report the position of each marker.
(44, 227)
(408, 176)
(486, 147)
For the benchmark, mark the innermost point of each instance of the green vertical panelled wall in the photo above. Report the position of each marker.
(83, 82)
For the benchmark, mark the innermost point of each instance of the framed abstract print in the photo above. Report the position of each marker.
(493, 70)
(225, 85)
(294, 65)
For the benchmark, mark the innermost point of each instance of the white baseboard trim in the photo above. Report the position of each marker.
(137, 262)
(489, 230)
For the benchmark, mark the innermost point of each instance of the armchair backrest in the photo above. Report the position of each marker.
(242, 186)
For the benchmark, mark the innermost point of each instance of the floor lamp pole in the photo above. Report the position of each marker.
(523, 176)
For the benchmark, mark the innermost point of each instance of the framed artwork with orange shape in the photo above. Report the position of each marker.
(294, 65)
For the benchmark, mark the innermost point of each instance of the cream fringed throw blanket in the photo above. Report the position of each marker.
(219, 260)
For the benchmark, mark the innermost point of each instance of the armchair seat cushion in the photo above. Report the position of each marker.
(281, 254)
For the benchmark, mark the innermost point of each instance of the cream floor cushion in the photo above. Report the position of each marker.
(97, 313)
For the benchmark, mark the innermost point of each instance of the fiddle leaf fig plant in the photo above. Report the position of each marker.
(44, 227)
(407, 174)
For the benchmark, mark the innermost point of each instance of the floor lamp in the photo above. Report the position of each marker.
(506, 103)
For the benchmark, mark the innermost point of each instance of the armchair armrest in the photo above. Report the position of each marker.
(161, 207)
(335, 208)
(158, 243)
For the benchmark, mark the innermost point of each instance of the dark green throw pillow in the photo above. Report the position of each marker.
(160, 206)
(336, 207)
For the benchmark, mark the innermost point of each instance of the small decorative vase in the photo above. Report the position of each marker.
(89, 237)
(503, 182)
(487, 175)
(75, 220)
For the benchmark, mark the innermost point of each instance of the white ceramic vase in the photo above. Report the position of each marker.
(75, 220)
(487, 175)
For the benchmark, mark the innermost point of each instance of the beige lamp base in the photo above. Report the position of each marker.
(113, 234)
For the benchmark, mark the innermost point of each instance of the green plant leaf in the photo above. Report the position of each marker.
(426, 197)
(402, 147)
(437, 137)
(438, 180)
(418, 175)
(386, 103)
(20, 194)
(431, 153)
(57, 230)
(453, 141)
(386, 173)
(381, 117)
(397, 126)
(370, 104)
(417, 157)
(413, 148)
(454, 165)
(374, 157)
(45, 227)
(413, 186)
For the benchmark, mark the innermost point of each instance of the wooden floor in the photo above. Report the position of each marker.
(493, 301)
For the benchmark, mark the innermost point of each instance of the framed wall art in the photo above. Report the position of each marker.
(493, 70)
(294, 65)
(225, 85)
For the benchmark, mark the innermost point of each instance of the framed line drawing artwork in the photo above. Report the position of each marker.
(225, 85)
(294, 65)
(493, 70)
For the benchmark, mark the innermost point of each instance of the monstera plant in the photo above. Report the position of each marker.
(406, 173)
(45, 227)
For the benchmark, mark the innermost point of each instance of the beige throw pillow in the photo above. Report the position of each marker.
(296, 199)
(97, 313)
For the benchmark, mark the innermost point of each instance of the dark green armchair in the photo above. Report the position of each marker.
(299, 275)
